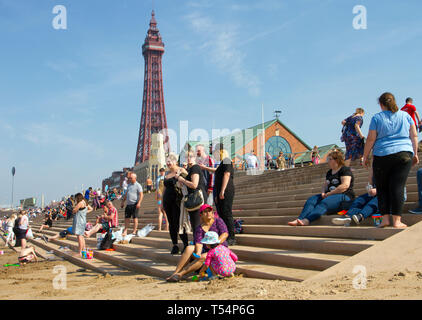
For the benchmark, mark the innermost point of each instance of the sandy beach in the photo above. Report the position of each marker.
(35, 281)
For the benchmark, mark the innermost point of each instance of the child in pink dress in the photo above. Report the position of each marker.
(220, 259)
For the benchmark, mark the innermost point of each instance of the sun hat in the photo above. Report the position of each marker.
(204, 207)
(211, 237)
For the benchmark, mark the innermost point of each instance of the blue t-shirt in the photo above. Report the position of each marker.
(392, 132)
(87, 194)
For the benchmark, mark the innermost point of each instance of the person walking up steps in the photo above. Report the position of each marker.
(133, 198)
(411, 110)
(352, 136)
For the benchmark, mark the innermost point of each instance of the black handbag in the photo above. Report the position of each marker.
(107, 242)
(194, 201)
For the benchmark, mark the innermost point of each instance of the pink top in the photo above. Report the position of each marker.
(115, 221)
(222, 260)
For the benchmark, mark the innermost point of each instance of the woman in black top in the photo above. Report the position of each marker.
(337, 193)
(224, 190)
(171, 202)
(48, 223)
(194, 181)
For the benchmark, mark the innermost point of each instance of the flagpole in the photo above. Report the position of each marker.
(263, 139)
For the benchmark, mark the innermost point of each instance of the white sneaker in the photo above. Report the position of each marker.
(341, 221)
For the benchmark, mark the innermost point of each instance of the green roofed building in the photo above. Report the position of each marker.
(271, 136)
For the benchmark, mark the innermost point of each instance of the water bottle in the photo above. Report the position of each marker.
(369, 188)
(377, 219)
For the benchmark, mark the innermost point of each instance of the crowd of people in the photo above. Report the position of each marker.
(389, 152)
(186, 192)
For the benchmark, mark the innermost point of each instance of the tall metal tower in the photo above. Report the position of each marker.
(153, 119)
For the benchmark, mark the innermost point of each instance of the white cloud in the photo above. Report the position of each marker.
(221, 47)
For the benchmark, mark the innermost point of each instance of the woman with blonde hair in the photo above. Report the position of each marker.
(337, 192)
(224, 189)
(393, 138)
(195, 182)
(172, 197)
(353, 137)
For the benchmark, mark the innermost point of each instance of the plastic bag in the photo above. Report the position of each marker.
(145, 230)
(29, 234)
(118, 235)
(100, 238)
(128, 237)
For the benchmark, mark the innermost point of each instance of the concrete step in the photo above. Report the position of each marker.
(409, 219)
(301, 193)
(95, 264)
(339, 246)
(368, 233)
(126, 256)
(359, 186)
(304, 194)
(282, 176)
(121, 259)
(281, 257)
(296, 184)
(412, 198)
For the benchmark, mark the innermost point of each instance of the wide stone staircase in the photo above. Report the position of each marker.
(268, 248)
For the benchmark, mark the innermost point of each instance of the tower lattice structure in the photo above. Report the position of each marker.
(153, 119)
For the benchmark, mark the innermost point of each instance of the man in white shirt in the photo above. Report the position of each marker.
(252, 162)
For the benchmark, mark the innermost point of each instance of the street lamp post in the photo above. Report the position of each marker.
(13, 182)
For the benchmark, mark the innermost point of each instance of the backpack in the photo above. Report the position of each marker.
(107, 242)
(238, 226)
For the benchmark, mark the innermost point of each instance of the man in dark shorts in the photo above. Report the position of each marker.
(133, 198)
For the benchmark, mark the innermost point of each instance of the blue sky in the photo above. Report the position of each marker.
(70, 100)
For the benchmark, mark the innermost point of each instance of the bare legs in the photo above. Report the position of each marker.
(162, 213)
(44, 226)
(127, 224)
(396, 222)
(23, 243)
(81, 243)
(184, 267)
(94, 229)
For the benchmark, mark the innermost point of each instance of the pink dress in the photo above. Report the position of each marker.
(222, 260)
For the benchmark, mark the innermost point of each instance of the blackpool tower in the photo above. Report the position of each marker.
(153, 119)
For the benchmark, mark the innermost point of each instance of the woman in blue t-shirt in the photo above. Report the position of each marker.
(394, 140)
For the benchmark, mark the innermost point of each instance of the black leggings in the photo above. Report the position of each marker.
(224, 210)
(390, 173)
(173, 216)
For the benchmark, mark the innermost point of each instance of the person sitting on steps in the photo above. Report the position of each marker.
(337, 193)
